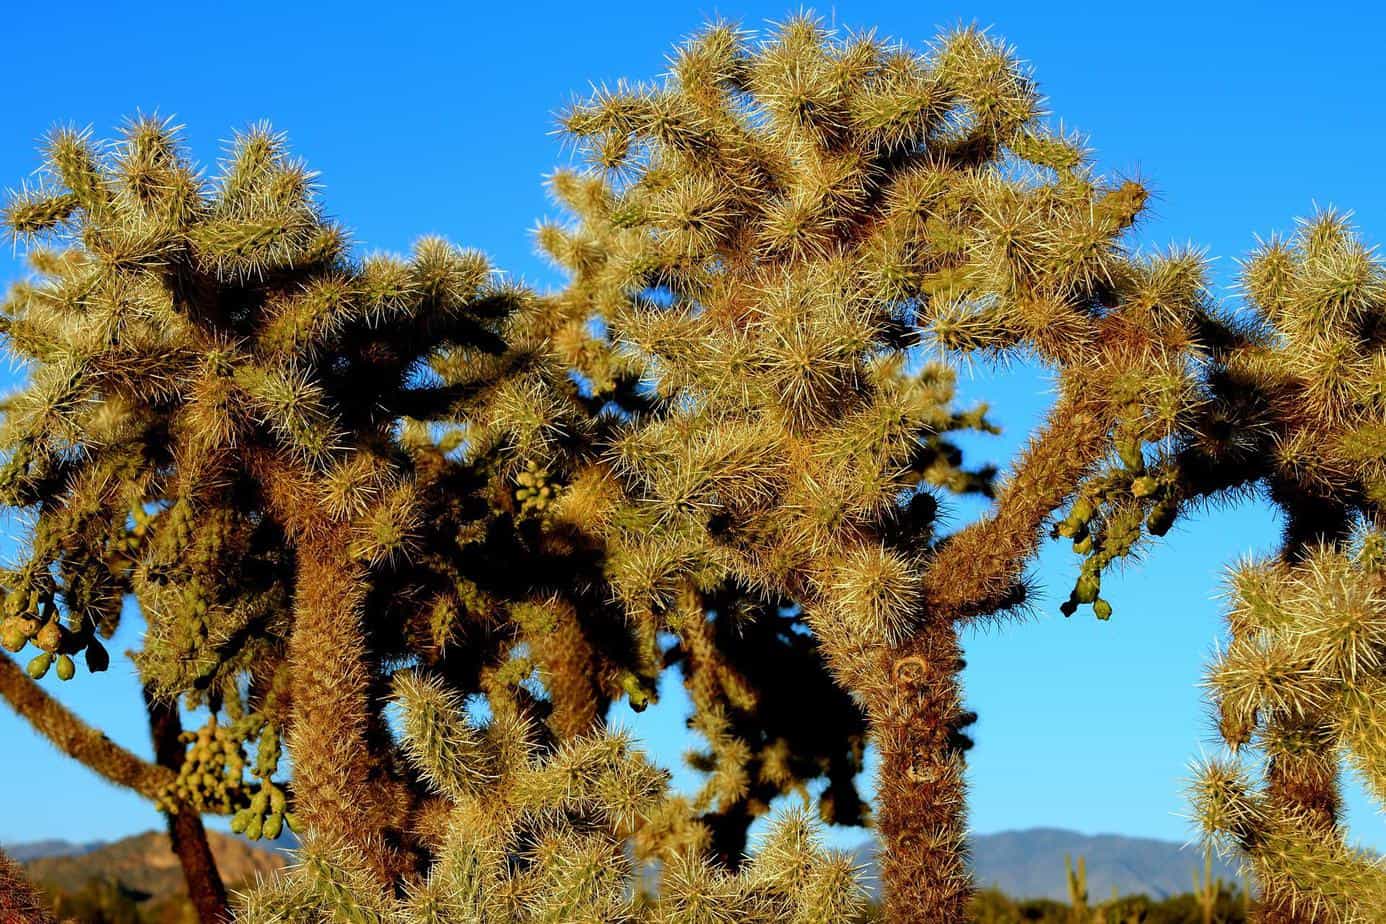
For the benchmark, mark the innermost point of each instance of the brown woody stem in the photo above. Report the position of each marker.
(186, 834)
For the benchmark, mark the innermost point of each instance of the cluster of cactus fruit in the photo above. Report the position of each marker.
(715, 450)
(1108, 518)
(534, 493)
(212, 777)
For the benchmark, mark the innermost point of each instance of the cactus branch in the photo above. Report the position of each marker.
(75, 738)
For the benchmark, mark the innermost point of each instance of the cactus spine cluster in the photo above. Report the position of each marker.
(522, 835)
(1299, 683)
(768, 234)
(332, 483)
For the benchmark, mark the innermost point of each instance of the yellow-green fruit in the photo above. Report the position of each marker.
(272, 826)
(1144, 486)
(66, 668)
(1161, 518)
(1085, 591)
(1102, 609)
(1131, 456)
(39, 665)
(635, 691)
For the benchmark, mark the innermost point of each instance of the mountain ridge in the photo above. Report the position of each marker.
(1024, 863)
(1029, 863)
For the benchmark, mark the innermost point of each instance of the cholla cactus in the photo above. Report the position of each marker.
(307, 469)
(1302, 682)
(18, 901)
(718, 447)
(1300, 410)
(212, 425)
(527, 836)
(767, 234)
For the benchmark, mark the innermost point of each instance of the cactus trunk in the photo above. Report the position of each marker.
(921, 790)
(340, 779)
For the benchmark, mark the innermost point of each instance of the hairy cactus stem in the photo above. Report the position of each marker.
(344, 782)
(75, 738)
(918, 714)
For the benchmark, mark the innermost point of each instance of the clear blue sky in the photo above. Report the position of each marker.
(437, 118)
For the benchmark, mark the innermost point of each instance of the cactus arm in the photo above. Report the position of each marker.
(77, 739)
(983, 562)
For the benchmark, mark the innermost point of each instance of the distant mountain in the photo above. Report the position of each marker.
(32, 850)
(140, 865)
(1030, 864)
(1023, 864)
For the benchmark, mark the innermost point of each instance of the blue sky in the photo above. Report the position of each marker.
(438, 118)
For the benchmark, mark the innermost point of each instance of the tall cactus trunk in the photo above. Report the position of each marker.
(920, 788)
(341, 782)
(345, 786)
(186, 833)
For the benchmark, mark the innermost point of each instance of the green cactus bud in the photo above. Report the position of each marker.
(66, 668)
(1373, 551)
(1085, 590)
(1131, 456)
(1102, 609)
(1071, 529)
(1144, 486)
(1161, 517)
(39, 665)
(273, 825)
(636, 692)
(240, 820)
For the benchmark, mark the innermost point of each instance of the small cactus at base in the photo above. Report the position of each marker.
(528, 837)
